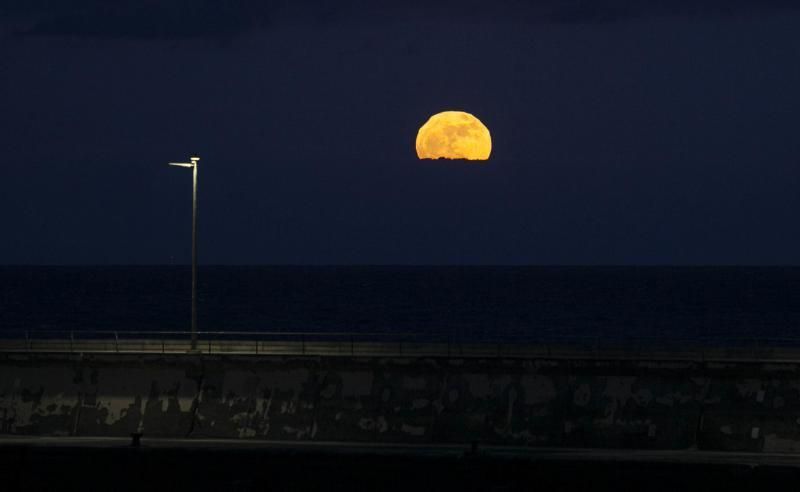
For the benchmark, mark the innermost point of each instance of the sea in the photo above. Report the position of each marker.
(475, 304)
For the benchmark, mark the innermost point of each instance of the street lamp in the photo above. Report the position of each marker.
(193, 165)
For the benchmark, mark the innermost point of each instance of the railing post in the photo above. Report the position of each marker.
(256, 346)
(162, 346)
(352, 346)
(71, 342)
(116, 341)
(303, 344)
(209, 345)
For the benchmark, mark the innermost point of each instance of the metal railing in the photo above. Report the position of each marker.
(395, 343)
(209, 342)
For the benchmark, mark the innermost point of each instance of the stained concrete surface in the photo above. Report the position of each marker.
(523, 402)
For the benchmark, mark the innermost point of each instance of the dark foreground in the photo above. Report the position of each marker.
(206, 465)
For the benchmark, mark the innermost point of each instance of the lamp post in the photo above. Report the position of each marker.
(193, 165)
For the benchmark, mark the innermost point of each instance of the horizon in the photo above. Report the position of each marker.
(396, 265)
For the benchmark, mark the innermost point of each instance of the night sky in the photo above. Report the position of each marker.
(624, 131)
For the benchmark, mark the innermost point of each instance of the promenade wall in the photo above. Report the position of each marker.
(567, 402)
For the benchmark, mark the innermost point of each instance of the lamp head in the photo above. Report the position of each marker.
(194, 160)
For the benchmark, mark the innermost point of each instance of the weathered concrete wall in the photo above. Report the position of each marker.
(574, 403)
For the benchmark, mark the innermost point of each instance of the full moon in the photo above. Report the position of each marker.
(454, 135)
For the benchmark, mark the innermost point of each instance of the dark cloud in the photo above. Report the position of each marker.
(570, 11)
(175, 19)
(149, 19)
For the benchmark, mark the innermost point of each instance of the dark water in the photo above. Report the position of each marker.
(472, 303)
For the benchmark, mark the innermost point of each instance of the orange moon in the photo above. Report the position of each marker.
(454, 135)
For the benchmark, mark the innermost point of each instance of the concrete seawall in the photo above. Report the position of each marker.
(592, 402)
